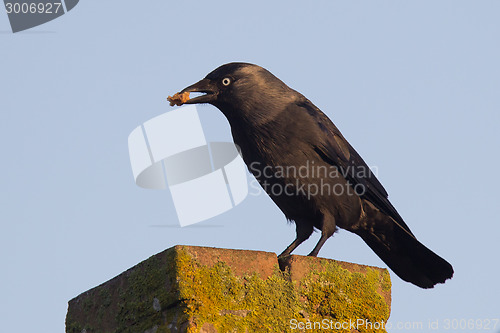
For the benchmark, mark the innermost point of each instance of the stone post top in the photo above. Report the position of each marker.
(204, 289)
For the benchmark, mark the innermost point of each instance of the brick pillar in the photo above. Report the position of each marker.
(201, 289)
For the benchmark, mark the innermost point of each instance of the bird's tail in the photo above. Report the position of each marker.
(404, 254)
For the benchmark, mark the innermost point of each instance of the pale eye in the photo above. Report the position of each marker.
(226, 81)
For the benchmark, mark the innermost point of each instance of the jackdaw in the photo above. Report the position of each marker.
(311, 172)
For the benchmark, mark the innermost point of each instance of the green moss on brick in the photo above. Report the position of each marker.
(153, 278)
(343, 296)
(191, 295)
(232, 303)
(330, 293)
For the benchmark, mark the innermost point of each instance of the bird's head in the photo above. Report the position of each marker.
(242, 90)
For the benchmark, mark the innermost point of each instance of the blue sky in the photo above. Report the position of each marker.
(413, 85)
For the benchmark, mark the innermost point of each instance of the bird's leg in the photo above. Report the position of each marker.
(327, 231)
(304, 230)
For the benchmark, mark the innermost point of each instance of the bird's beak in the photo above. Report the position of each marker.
(205, 86)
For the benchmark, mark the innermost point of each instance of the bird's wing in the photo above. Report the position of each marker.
(334, 149)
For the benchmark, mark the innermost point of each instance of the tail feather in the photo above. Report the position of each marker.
(403, 253)
(410, 259)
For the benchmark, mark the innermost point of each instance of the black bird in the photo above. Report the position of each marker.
(311, 172)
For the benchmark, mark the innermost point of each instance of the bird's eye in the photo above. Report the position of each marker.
(226, 81)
